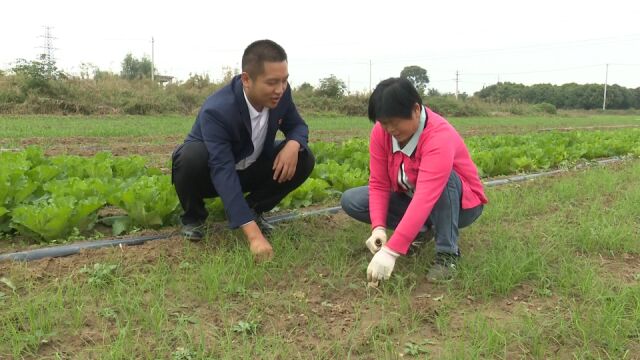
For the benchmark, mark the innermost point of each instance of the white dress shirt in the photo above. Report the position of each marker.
(258, 133)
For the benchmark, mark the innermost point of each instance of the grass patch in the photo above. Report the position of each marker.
(26, 126)
(532, 284)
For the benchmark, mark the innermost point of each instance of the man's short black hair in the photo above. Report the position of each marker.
(259, 52)
(393, 97)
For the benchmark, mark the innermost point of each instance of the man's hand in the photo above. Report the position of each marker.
(286, 162)
(381, 266)
(377, 239)
(258, 244)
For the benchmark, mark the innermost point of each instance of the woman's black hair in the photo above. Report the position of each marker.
(393, 98)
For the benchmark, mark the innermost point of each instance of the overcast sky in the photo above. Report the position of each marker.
(486, 41)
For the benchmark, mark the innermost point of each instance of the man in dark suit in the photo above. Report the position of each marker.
(231, 149)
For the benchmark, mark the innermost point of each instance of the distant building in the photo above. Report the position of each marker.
(163, 79)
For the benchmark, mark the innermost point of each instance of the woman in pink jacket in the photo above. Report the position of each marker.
(422, 178)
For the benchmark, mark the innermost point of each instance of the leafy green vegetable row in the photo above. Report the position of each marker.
(343, 166)
(52, 197)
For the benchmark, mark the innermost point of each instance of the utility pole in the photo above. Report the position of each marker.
(152, 58)
(606, 78)
(369, 76)
(457, 78)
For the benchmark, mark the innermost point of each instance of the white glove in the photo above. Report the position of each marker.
(382, 264)
(377, 239)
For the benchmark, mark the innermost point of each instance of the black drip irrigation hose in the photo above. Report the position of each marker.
(519, 178)
(66, 250)
(297, 215)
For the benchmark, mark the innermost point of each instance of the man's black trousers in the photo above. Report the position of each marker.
(192, 180)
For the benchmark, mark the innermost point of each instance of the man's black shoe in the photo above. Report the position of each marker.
(193, 232)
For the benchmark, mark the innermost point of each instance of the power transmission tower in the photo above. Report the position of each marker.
(47, 50)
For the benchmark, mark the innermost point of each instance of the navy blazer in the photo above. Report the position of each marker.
(224, 125)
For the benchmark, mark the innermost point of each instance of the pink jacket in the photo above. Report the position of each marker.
(440, 150)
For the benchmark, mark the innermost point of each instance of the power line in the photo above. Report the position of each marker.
(584, 42)
(535, 71)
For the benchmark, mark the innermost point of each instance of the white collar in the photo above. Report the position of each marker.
(410, 147)
(253, 113)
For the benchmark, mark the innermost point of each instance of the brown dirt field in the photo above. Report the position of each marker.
(337, 307)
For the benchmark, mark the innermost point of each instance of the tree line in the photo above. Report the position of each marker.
(566, 96)
(38, 86)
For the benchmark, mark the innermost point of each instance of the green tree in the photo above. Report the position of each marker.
(133, 68)
(503, 92)
(104, 75)
(635, 98)
(88, 70)
(197, 81)
(433, 92)
(565, 96)
(228, 73)
(332, 87)
(35, 75)
(417, 75)
(304, 89)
